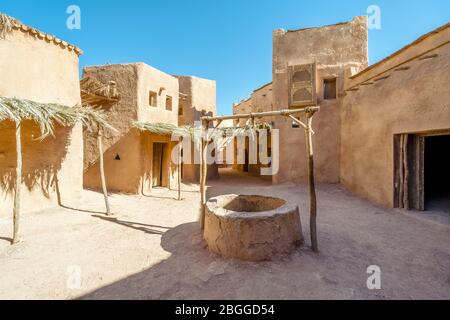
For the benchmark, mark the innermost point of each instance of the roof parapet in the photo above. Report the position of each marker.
(8, 24)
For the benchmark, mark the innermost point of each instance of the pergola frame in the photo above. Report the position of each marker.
(309, 111)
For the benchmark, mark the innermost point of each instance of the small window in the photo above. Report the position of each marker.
(169, 103)
(152, 99)
(180, 110)
(329, 89)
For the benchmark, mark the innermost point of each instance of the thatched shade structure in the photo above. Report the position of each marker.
(95, 93)
(46, 116)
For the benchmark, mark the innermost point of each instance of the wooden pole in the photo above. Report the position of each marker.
(102, 171)
(17, 198)
(179, 168)
(204, 172)
(406, 174)
(311, 183)
(400, 170)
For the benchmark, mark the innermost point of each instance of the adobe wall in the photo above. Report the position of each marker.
(151, 79)
(197, 97)
(409, 101)
(120, 115)
(126, 153)
(170, 176)
(334, 48)
(131, 172)
(261, 100)
(121, 175)
(244, 106)
(40, 70)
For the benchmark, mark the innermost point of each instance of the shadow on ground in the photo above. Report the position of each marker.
(192, 272)
(188, 265)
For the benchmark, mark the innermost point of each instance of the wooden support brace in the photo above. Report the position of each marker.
(300, 123)
(311, 183)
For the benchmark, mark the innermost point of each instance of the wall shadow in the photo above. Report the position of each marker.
(147, 228)
(42, 159)
(121, 158)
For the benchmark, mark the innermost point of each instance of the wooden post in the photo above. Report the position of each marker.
(406, 173)
(311, 183)
(204, 172)
(179, 168)
(102, 170)
(400, 172)
(17, 198)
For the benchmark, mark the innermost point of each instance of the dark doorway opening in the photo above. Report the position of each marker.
(246, 164)
(422, 172)
(158, 165)
(437, 173)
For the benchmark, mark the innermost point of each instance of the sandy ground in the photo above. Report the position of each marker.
(153, 249)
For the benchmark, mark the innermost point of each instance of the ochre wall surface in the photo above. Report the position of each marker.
(197, 97)
(170, 154)
(151, 79)
(200, 97)
(120, 115)
(261, 100)
(334, 49)
(409, 101)
(132, 172)
(32, 68)
(127, 153)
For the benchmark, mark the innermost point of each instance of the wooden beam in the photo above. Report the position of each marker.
(263, 114)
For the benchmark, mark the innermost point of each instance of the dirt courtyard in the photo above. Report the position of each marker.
(152, 249)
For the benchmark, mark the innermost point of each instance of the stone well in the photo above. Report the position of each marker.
(253, 228)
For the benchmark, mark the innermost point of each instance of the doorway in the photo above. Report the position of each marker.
(437, 173)
(158, 165)
(422, 171)
(246, 164)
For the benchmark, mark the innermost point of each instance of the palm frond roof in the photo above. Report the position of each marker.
(46, 115)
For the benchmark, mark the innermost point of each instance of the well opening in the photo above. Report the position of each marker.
(252, 203)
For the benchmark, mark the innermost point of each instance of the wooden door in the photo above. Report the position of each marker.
(157, 172)
(409, 191)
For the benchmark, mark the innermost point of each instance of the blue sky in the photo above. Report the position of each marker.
(226, 40)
